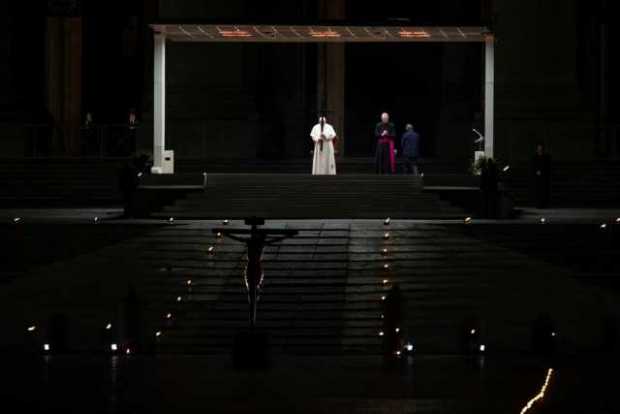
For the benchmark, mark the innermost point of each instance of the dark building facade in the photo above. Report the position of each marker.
(554, 80)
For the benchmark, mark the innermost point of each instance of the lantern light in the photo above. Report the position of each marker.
(387, 221)
(171, 220)
(483, 348)
(113, 347)
(168, 316)
(381, 333)
(386, 236)
(472, 332)
(467, 220)
(17, 220)
(158, 334)
(32, 328)
(46, 347)
(108, 327)
(409, 347)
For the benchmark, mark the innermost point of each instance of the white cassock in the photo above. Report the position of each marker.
(324, 162)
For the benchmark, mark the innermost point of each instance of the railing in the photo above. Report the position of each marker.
(96, 141)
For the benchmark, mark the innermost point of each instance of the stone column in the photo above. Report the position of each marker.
(64, 81)
(331, 75)
(159, 99)
(7, 96)
(489, 96)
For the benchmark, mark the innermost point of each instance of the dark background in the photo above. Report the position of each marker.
(259, 101)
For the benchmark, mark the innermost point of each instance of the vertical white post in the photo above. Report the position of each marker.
(489, 96)
(159, 99)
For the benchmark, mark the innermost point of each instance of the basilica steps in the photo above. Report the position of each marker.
(302, 196)
(574, 184)
(66, 182)
(322, 292)
(59, 182)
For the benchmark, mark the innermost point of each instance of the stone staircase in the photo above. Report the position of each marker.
(574, 184)
(302, 196)
(323, 290)
(59, 182)
(322, 293)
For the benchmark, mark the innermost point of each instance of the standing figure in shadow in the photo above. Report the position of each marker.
(542, 177)
(128, 182)
(410, 144)
(489, 188)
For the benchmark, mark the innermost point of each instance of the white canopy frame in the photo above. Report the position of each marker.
(311, 34)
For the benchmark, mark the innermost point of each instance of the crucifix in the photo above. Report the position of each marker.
(255, 240)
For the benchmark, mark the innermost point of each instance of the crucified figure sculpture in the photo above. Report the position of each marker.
(255, 240)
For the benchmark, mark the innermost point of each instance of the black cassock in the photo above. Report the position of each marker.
(385, 157)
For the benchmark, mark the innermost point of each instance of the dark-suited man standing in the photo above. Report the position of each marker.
(410, 144)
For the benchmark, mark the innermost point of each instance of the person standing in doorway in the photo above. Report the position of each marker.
(410, 144)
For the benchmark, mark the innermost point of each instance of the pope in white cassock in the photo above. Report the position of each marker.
(323, 135)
